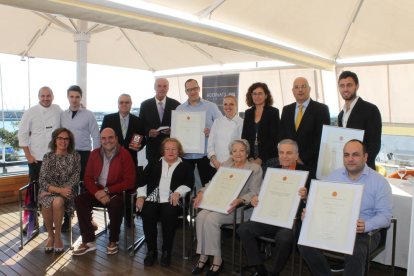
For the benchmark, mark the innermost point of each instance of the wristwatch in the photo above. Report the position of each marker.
(106, 190)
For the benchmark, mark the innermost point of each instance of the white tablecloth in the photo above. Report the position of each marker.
(402, 200)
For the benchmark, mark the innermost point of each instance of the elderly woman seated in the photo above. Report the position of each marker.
(208, 223)
(163, 184)
(59, 175)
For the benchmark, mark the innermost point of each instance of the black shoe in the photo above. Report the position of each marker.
(260, 270)
(65, 224)
(150, 258)
(197, 269)
(211, 272)
(165, 259)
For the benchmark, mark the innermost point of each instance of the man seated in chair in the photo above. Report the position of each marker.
(109, 172)
(283, 237)
(375, 213)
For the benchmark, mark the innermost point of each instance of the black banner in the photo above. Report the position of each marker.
(216, 87)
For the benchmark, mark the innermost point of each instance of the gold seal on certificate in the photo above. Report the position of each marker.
(135, 142)
(188, 127)
(332, 211)
(225, 186)
(279, 198)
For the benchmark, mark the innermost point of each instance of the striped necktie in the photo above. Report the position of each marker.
(124, 127)
(299, 117)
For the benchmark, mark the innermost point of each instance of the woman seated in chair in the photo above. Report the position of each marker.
(163, 184)
(58, 178)
(208, 223)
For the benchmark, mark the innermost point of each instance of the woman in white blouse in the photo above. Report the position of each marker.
(164, 182)
(224, 130)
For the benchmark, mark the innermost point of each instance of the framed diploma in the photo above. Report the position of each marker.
(188, 128)
(225, 186)
(331, 150)
(278, 197)
(332, 211)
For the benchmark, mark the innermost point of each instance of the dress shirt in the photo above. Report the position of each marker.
(83, 126)
(212, 113)
(103, 177)
(163, 102)
(223, 131)
(376, 203)
(165, 182)
(347, 113)
(304, 106)
(36, 127)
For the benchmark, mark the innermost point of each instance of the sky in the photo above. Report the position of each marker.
(105, 83)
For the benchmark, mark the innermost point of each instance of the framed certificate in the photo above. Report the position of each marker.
(225, 186)
(331, 150)
(188, 128)
(278, 197)
(332, 211)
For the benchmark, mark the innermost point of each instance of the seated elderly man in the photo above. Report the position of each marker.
(109, 172)
(249, 231)
(375, 213)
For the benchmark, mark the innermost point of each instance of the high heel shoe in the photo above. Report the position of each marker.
(59, 250)
(198, 269)
(49, 249)
(211, 271)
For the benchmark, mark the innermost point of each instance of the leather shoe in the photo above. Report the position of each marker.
(197, 269)
(260, 270)
(150, 258)
(165, 259)
(211, 272)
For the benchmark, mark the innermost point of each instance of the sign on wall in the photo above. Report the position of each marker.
(216, 87)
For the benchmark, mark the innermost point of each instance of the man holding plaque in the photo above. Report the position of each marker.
(302, 121)
(155, 114)
(249, 231)
(375, 212)
(194, 103)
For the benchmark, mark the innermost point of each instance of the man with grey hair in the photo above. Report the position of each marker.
(155, 113)
(249, 231)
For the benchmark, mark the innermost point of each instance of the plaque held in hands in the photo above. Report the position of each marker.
(135, 142)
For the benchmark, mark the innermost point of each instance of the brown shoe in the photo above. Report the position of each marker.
(84, 248)
(112, 248)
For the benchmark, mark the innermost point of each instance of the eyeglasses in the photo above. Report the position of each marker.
(124, 102)
(63, 138)
(300, 86)
(258, 94)
(188, 90)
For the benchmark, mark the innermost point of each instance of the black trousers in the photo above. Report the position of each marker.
(354, 264)
(34, 172)
(205, 170)
(167, 214)
(251, 230)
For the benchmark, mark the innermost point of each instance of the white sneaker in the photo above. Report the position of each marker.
(84, 248)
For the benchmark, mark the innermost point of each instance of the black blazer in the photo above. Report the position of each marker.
(182, 175)
(268, 133)
(308, 136)
(366, 116)
(135, 126)
(149, 116)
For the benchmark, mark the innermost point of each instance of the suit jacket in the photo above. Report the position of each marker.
(308, 135)
(366, 116)
(268, 133)
(149, 116)
(135, 126)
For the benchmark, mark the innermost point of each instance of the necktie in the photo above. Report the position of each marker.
(299, 117)
(160, 110)
(124, 127)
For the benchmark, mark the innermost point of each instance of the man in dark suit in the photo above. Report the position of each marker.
(302, 121)
(126, 125)
(360, 114)
(155, 113)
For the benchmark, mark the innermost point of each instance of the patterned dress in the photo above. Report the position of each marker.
(59, 171)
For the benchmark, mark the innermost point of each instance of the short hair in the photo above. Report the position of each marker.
(244, 142)
(364, 148)
(55, 134)
(174, 140)
(158, 79)
(75, 88)
(125, 95)
(189, 80)
(45, 88)
(349, 74)
(249, 97)
(288, 142)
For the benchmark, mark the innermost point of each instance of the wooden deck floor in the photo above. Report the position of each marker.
(32, 260)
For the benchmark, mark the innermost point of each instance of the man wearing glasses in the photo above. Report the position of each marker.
(302, 122)
(194, 103)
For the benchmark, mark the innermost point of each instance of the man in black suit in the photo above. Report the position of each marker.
(126, 125)
(155, 113)
(302, 121)
(360, 114)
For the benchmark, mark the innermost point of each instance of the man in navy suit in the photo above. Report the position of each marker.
(360, 114)
(155, 113)
(302, 121)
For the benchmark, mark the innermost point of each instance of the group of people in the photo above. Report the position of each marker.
(261, 140)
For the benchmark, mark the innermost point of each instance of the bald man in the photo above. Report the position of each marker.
(302, 121)
(109, 172)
